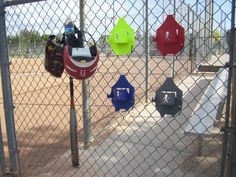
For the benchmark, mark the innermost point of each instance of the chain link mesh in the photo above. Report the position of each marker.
(134, 143)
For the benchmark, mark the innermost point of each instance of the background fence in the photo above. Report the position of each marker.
(134, 143)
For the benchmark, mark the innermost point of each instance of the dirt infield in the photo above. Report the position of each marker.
(42, 102)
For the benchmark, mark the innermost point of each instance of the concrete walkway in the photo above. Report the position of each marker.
(144, 144)
(219, 60)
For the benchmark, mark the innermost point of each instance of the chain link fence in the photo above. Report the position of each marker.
(138, 142)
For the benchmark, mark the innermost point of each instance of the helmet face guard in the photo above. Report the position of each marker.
(80, 63)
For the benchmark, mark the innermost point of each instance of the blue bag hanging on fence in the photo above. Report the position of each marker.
(168, 99)
(122, 94)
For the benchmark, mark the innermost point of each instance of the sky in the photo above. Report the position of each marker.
(102, 15)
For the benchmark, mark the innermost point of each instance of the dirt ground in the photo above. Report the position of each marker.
(42, 103)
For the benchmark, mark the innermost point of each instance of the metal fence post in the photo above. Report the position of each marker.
(221, 35)
(163, 12)
(232, 152)
(146, 49)
(194, 40)
(86, 112)
(188, 33)
(231, 87)
(2, 156)
(174, 11)
(232, 170)
(208, 28)
(7, 95)
(85, 91)
(174, 57)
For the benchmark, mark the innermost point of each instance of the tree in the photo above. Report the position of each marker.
(216, 36)
(103, 45)
(138, 35)
(216, 39)
(102, 41)
(153, 51)
(26, 41)
(13, 39)
(44, 37)
(30, 36)
(25, 37)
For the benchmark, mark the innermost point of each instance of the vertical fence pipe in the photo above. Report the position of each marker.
(190, 41)
(221, 32)
(7, 95)
(205, 29)
(201, 38)
(232, 158)
(163, 10)
(85, 92)
(232, 169)
(197, 31)
(173, 64)
(208, 27)
(212, 28)
(113, 13)
(2, 156)
(225, 140)
(146, 49)
(193, 60)
(225, 19)
(174, 11)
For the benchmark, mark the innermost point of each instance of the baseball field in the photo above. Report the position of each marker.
(42, 102)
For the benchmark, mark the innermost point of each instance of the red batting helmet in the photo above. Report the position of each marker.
(80, 63)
